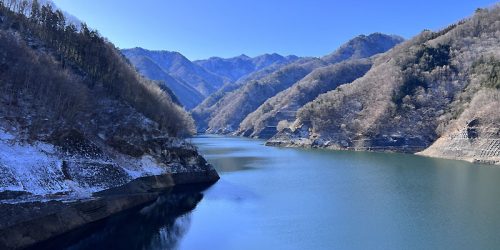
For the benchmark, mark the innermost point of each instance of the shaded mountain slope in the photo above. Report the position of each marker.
(188, 96)
(204, 110)
(179, 67)
(236, 105)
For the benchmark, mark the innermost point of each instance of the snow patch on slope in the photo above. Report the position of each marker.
(148, 167)
(29, 167)
(41, 169)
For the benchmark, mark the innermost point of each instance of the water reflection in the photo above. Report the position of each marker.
(159, 225)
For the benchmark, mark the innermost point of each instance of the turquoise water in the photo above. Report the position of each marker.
(275, 198)
(282, 198)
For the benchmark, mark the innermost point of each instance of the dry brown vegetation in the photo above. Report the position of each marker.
(413, 93)
(235, 105)
(228, 110)
(284, 105)
(61, 71)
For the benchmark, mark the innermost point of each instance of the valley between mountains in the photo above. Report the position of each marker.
(89, 130)
(436, 94)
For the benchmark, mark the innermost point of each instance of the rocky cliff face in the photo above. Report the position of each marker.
(428, 91)
(474, 142)
(475, 135)
(118, 146)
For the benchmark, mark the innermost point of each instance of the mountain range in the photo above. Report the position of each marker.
(375, 92)
(193, 81)
(226, 114)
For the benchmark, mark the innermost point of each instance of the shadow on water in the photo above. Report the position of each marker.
(158, 225)
(233, 164)
(223, 151)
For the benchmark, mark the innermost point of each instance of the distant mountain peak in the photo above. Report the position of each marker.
(235, 68)
(363, 45)
(243, 56)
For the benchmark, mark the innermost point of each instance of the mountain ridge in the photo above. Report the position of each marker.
(235, 68)
(204, 76)
(231, 108)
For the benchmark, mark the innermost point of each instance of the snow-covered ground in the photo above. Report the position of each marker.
(38, 168)
(29, 167)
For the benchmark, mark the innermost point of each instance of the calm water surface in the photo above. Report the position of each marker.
(275, 198)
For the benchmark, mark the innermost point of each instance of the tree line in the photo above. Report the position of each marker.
(85, 52)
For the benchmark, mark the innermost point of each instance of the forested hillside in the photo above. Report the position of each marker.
(85, 53)
(440, 86)
(281, 109)
(76, 117)
(230, 108)
(236, 105)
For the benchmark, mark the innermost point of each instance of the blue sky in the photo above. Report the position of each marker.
(203, 28)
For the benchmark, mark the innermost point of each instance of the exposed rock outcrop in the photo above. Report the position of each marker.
(475, 136)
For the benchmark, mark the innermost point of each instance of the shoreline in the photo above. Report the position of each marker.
(288, 144)
(26, 224)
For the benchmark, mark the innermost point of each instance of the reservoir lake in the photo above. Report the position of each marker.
(289, 198)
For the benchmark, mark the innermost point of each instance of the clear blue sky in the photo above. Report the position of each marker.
(203, 28)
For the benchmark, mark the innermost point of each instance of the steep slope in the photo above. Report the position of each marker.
(233, 107)
(188, 96)
(205, 109)
(420, 91)
(240, 66)
(236, 105)
(201, 113)
(77, 119)
(180, 68)
(263, 122)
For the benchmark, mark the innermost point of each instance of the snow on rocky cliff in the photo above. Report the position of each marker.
(42, 169)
